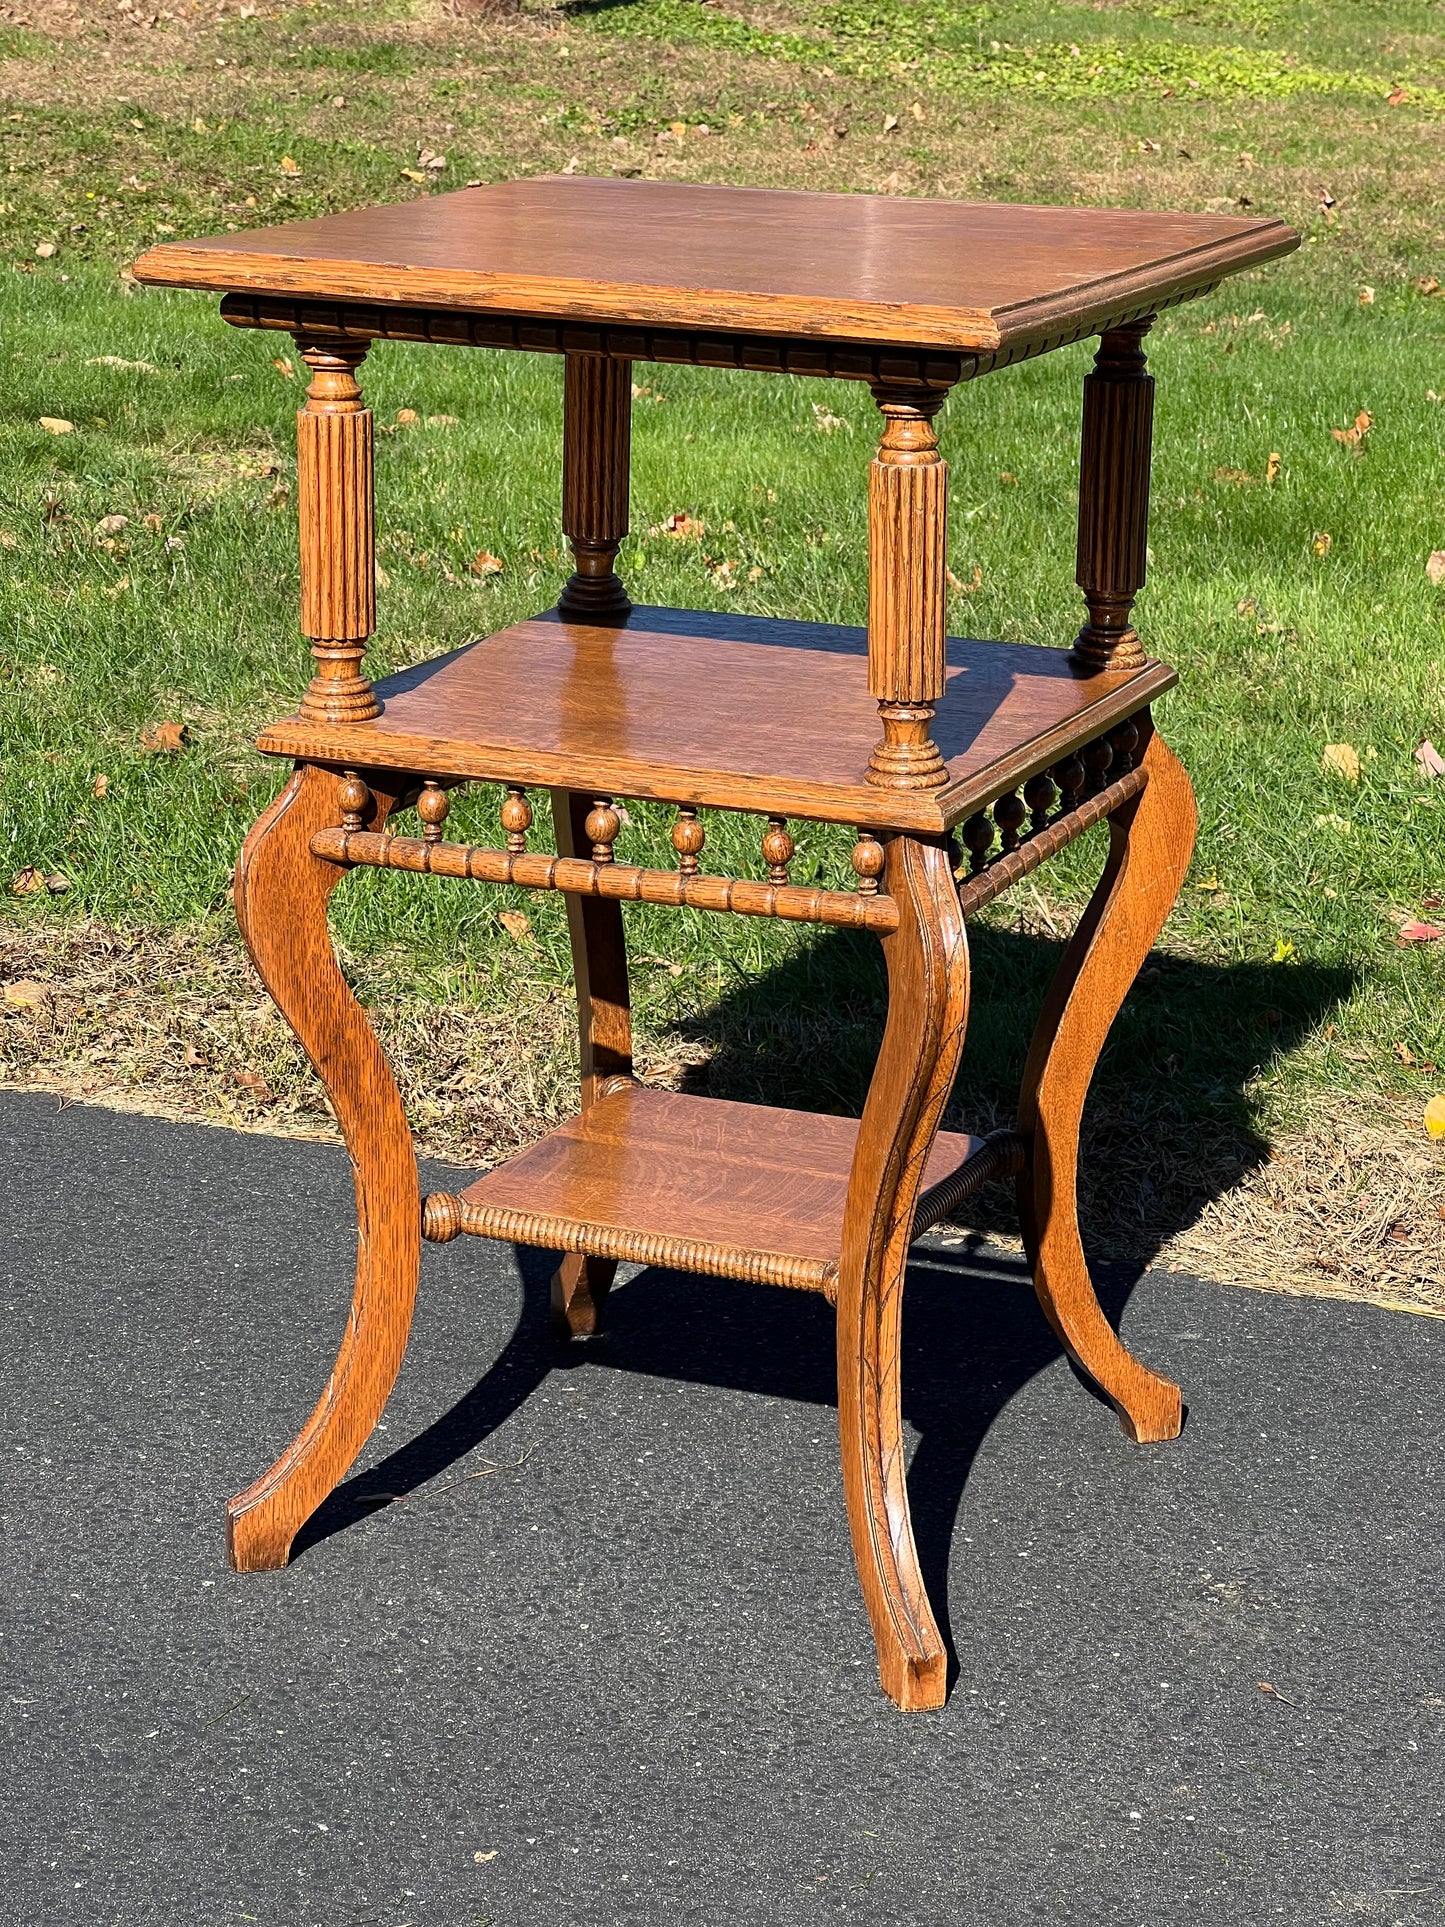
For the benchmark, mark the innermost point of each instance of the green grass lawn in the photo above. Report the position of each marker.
(1284, 1029)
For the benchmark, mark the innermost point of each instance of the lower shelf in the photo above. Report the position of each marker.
(698, 1184)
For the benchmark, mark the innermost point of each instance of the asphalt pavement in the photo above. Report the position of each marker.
(579, 1641)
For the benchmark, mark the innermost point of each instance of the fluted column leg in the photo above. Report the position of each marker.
(907, 529)
(334, 497)
(1114, 458)
(596, 453)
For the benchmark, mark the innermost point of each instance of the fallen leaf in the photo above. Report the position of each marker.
(1435, 566)
(826, 422)
(1427, 284)
(1341, 759)
(413, 174)
(482, 1858)
(1352, 436)
(1239, 477)
(1333, 822)
(154, 523)
(57, 425)
(27, 993)
(573, 164)
(1396, 97)
(1435, 1116)
(485, 563)
(517, 925)
(677, 129)
(433, 163)
(383, 580)
(890, 121)
(892, 185)
(965, 588)
(1366, 297)
(442, 421)
(284, 367)
(1405, 1054)
(1008, 478)
(1323, 543)
(29, 883)
(195, 1059)
(1428, 759)
(164, 739)
(45, 249)
(1283, 951)
(406, 416)
(1211, 882)
(288, 166)
(100, 785)
(1420, 933)
(111, 525)
(252, 1081)
(117, 588)
(1273, 466)
(684, 527)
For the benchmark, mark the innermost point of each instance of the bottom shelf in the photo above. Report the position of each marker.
(695, 1183)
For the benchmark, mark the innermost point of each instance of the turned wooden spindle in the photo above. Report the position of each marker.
(1070, 776)
(1009, 813)
(432, 807)
(334, 498)
(1039, 794)
(777, 849)
(596, 452)
(516, 820)
(1114, 497)
(907, 527)
(602, 826)
(977, 834)
(688, 837)
(1097, 758)
(868, 859)
(1124, 741)
(355, 799)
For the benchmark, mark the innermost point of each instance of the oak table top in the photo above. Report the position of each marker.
(866, 269)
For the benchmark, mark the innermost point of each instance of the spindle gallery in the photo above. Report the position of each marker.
(951, 768)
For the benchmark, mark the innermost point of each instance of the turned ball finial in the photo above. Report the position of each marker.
(688, 837)
(1009, 813)
(777, 849)
(516, 821)
(432, 807)
(868, 860)
(602, 827)
(1039, 795)
(355, 799)
(977, 834)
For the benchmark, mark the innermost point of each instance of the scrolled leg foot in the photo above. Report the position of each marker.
(927, 959)
(1151, 841)
(281, 894)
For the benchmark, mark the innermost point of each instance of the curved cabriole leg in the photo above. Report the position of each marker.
(1151, 841)
(927, 959)
(281, 893)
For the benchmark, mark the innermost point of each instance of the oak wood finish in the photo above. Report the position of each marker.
(1024, 748)
(614, 710)
(581, 1282)
(281, 892)
(1114, 498)
(907, 534)
(609, 880)
(857, 268)
(596, 450)
(338, 542)
(1151, 841)
(927, 960)
(700, 1184)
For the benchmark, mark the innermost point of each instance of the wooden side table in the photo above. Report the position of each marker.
(895, 732)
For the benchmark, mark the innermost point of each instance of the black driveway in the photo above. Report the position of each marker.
(601, 1657)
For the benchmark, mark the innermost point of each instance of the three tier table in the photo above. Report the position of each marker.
(958, 767)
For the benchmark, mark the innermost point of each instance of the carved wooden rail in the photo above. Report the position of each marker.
(689, 348)
(445, 1216)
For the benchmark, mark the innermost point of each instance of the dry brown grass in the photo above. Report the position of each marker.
(1342, 1204)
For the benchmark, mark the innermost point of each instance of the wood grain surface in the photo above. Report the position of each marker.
(787, 727)
(855, 267)
(1151, 841)
(281, 893)
(746, 1181)
(928, 986)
